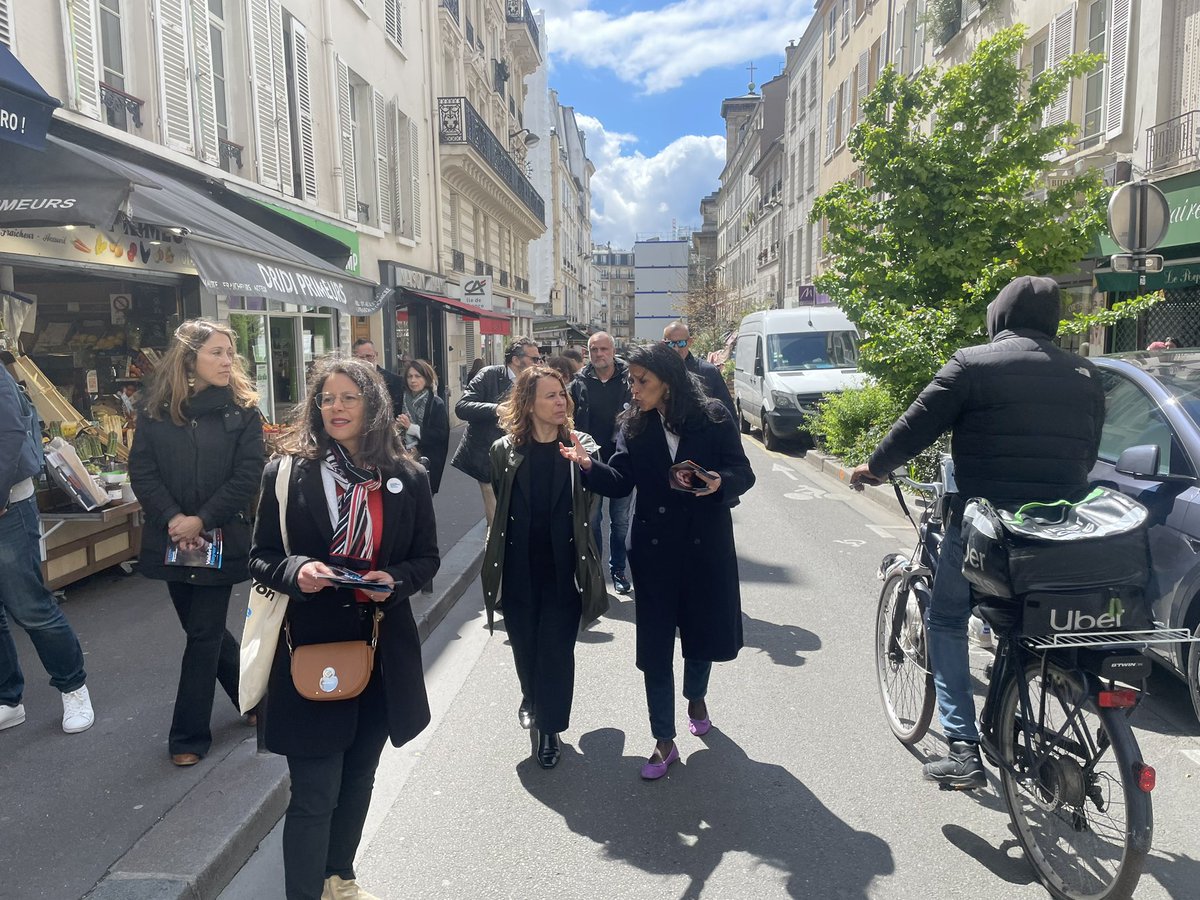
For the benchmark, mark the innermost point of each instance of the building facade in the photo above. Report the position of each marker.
(801, 137)
(660, 284)
(615, 291)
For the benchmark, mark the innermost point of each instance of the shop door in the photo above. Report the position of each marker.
(252, 346)
(285, 367)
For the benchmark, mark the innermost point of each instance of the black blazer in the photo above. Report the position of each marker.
(408, 552)
(434, 442)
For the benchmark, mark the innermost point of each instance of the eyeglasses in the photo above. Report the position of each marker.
(680, 344)
(325, 400)
(533, 359)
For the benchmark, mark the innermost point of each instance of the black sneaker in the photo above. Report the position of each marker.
(620, 583)
(962, 770)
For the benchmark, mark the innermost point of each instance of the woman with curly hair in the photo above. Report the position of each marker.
(683, 454)
(355, 500)
(541, 566)
(195, 464)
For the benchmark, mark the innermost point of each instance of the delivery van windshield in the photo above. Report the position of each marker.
(798, 351)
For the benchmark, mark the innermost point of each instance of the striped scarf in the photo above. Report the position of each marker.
(353, 538)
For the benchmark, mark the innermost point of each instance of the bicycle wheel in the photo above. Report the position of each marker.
(1084, 824)
(901, 659)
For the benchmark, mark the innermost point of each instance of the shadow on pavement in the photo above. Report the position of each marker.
(1005, 862)
(716, 801)
(785, 644)
(759, 572)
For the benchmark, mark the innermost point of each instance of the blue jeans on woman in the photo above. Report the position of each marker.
(618, 528)
(25, 597)
(660, 693)
(949, 612)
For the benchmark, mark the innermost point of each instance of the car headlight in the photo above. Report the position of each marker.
(783, 400)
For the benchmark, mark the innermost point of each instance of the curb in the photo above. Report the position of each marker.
(881, 495)
(197, 848)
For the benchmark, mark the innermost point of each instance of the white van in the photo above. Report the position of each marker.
(785, 360)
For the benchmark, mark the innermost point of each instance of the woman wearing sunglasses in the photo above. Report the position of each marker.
(355, 501)
(683, 454)
(541, 566)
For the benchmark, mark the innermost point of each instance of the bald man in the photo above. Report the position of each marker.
(678, 338)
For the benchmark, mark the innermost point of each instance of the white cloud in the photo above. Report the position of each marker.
(659, 49)
(633, 193)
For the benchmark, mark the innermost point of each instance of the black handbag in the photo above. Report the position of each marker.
(1097, 542)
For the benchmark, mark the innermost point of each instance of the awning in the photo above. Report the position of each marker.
(1178, 273)
(59, 186)
(490, 322)
(25, 108)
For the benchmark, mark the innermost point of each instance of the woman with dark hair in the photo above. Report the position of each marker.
(195, 463)
(683, 454)
(541, 566)
(563, 367)
(355, 500)
(423, 419)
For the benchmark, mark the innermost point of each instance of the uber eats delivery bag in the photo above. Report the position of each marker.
(1099, 541)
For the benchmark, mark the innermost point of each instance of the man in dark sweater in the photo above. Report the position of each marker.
(601, 394)
(1025, 418)
(679, 338)
(365, 350)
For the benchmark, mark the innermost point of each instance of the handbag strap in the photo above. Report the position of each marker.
(378, 617)
(283, 480)
(1019, 515)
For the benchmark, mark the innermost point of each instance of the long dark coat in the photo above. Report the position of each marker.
(408, 552)
(209, 467)
(681, 552)
(434, 442)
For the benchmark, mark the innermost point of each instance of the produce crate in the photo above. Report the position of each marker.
(51, 405)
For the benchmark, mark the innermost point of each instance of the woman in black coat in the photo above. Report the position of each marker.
(422, 407)
(195, 465)
(682, 554)
(355, 500)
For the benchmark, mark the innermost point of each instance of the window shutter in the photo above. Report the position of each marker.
(864, 75)
(206, 97)
(397, 145)
(901, 40)
(302, 98)
(174, 69)
(917, 57)
(349, 181)
(969, 8)
(393, 22)
(1062, 41)
(830, 125)
(844, 105)
(1117, 61)
(279, 82)
(85, 50)
(6, 29)
(414, 156)
(262, 84)
(383, 180)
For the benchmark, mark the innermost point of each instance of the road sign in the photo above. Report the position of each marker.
(1137, 262)
(1138, 216)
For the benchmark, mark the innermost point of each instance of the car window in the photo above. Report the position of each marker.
(1132, 418)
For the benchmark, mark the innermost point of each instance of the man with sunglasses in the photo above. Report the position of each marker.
(679, 338)
(479, 406)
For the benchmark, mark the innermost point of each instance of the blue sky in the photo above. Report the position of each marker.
(646, 78)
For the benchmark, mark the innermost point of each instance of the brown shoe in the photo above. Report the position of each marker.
(185, 759)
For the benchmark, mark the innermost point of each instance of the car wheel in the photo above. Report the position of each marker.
(1193, 671)
(770, 440)
(743, 423)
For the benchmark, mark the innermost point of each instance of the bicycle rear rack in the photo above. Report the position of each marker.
(1109, 638)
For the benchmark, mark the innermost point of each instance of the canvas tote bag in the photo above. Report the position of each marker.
(264, 614)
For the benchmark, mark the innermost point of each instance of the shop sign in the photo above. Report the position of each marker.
(477, 291)
(147, 248)
(25, 108)
(1181, 276)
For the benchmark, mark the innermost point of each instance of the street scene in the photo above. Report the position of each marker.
(474, 448)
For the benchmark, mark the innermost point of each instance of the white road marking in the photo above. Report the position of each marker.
(786, 470)
(1193, 755)
(804, 492)
(886, 531)
(851, 542)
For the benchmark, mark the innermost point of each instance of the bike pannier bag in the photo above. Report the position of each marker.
(1099, 541)
(1092, 610)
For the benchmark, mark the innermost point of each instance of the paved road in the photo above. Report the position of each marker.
(799, 791)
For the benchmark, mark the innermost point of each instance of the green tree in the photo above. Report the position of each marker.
(949, 211)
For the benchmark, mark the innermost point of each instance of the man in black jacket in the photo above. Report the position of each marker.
(601, 394)
(365, 350)
(1025, 418)
(478, 407)
(679, 338)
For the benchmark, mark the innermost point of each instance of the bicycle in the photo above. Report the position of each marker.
(1055, 719)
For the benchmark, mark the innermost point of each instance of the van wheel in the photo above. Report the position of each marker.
(742, 423)
(771, 441)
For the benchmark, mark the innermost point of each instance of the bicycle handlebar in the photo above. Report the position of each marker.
(932, 487)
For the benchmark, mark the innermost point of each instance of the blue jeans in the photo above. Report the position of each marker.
(660, 693)
(618, 527)
(949, 611)
(25, 597)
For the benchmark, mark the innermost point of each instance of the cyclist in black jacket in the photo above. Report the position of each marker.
(1025, 418)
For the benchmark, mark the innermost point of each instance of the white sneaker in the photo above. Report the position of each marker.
(77, 711)
(979, 633)
(11, 716)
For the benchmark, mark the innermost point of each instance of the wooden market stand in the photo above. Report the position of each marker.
(76, 544)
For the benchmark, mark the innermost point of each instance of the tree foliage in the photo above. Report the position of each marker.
(711, 313)
(950, 209)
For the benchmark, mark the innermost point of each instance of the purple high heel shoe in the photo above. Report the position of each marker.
(653, 770)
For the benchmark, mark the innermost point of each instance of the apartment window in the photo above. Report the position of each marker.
(803, 94)
(112, 58)
(301, 125)
(814, 85)
(1093, 90)
(844, 106)
(1038, 57)
(860, 9)
(216, 39)
(795, 109)
(845, 20)
(833, 22)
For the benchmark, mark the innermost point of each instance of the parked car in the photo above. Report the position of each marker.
(1150, 450)
(785, 361)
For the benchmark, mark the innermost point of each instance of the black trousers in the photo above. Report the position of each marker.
(330, 799)
(210, 656)
(542, 626)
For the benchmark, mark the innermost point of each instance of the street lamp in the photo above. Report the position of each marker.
(530, 139)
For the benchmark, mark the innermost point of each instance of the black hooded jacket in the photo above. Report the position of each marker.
(1025, 415)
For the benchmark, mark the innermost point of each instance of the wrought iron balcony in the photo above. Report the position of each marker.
(1173, 142)
(479, 267)
(451, 6)
(459, 123)
(503, 278)
(230, 152)
(119, 104)
(516, 12)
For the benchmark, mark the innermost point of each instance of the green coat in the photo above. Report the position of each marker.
(589, 576)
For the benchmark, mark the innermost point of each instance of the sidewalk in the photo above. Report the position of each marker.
(104, 811)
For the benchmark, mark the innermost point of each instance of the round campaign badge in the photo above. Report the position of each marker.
(394, 485)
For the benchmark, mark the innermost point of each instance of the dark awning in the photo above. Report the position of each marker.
(25, 108)
(458, 307)
(59, 186)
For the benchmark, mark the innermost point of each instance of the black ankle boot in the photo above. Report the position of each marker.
(962, 770)
(525, 715)
(549, 750)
